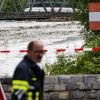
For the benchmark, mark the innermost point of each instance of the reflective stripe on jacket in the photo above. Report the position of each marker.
(27, 82)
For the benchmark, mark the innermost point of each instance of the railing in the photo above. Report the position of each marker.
(32, 15)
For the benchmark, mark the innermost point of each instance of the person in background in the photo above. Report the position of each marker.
(28, 78)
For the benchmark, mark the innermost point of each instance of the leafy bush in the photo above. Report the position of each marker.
(84, 63)
(87, 62)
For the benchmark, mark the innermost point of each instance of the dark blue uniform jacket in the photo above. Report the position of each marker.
(27, 82)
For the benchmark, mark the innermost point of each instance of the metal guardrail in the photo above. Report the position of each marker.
(32, 15)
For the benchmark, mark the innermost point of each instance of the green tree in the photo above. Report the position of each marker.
(14, 5)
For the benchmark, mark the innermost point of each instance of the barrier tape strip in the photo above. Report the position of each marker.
(57, 50)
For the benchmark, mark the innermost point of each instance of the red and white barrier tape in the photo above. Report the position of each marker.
(87, 49)
(57, 50)
(5, 51)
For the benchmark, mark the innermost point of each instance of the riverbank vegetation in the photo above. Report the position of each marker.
(84, 63)
(14, 5)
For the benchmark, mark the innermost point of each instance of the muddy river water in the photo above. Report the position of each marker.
(15, 35)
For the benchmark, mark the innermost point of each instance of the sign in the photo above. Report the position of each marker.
(94, 16)
(2, 96)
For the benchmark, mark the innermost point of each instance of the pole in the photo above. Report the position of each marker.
(2, 95)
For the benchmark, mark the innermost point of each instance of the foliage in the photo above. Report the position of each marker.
(7, 6)
(14, 5)
(87, 62)
(84, 63)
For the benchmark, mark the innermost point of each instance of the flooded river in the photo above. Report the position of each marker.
(15, 35)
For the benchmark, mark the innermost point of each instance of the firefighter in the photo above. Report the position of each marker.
(27, 81)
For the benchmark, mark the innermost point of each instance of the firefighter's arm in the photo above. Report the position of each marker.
(20, 83)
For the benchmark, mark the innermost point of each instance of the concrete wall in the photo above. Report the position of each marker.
(66, 87)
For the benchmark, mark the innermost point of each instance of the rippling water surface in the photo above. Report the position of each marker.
(15, 35)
